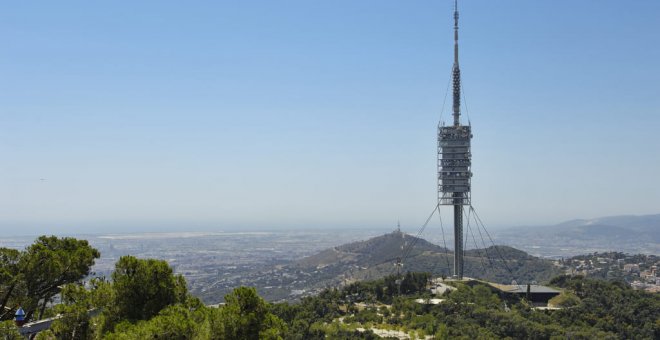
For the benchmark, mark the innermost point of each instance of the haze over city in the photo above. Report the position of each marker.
(157, 116)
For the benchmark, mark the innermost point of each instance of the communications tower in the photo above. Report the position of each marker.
(454, 160)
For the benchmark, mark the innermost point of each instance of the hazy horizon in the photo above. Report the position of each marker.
(169, 227)
(159, 115)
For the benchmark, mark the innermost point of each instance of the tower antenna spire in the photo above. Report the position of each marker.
(456, 71)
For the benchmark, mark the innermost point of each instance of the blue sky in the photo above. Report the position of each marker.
(153, 115)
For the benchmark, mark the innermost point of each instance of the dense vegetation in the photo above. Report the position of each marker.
(145, 300)
(594, 310)
(33, 277)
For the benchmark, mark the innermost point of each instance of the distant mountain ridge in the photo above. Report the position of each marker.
(630, 225)
(627, 233)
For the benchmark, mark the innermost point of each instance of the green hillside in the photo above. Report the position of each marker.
(376, 257)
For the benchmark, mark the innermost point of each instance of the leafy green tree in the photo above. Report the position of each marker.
(246, 316)
(442, 333)
(611, 307)
(368, 315)
(565, 300)
(77, 303)
(10, 279)
(300, 318)
(414, 282)
(9, 331)
(143, 287)
(176, 322)
(47, 265)
(484, 296)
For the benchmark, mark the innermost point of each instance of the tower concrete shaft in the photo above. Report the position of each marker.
(458, 237)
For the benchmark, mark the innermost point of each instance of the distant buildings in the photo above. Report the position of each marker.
(640, 271)
(631, 268)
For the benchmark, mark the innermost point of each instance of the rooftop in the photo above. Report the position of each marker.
(522, 289)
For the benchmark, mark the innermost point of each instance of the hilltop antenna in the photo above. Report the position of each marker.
(454, 160)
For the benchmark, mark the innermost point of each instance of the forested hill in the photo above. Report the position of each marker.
(376, 257)
(381, 249)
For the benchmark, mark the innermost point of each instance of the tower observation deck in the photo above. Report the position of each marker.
(454, 160)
